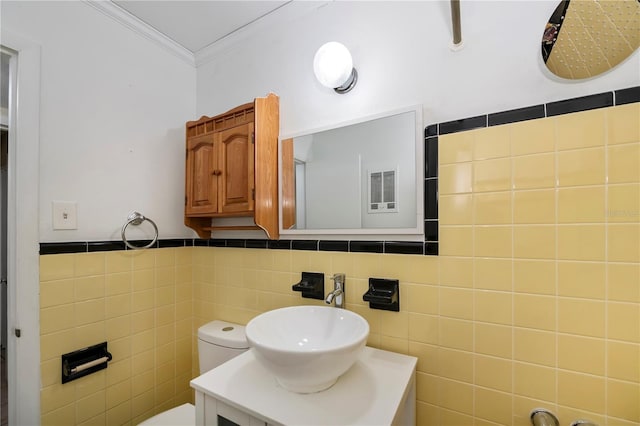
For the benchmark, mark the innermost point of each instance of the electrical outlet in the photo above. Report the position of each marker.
(65, 215)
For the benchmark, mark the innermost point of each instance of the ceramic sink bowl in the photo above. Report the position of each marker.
(307, 348)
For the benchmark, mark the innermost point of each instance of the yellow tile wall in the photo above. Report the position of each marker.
(552, 245)
(141, 304)
(534, 300)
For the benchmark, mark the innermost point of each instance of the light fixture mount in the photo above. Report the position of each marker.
(349, 84)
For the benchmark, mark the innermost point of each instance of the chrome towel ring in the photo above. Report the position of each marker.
(136, 218)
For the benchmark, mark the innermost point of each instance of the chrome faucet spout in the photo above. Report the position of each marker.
(338, 291)
(332, 295)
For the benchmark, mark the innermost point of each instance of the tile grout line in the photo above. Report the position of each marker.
(556, 250)
(606, 262)
(513, 339)
(473, 278)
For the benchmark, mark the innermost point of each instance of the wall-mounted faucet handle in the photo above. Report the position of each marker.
(338, 278)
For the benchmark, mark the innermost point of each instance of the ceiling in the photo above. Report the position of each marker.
(198, 24)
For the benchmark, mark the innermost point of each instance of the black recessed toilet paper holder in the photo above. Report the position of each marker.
(311, 286)
(383, 294)
(84, 361)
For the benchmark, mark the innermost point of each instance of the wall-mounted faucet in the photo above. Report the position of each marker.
(338, 291)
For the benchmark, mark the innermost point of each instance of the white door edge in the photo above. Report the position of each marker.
(23, 354)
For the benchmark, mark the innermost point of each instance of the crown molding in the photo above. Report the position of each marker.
(286, 13)
(140, 27)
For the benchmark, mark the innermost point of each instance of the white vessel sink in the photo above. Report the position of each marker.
(307, 348)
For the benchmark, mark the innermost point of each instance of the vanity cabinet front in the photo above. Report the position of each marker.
(231, 168)
(378, 390)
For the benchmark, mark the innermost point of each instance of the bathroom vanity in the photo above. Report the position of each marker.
(379, 389)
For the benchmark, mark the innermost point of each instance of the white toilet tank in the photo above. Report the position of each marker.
(218, 342)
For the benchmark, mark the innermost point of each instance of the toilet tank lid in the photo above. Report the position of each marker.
(224, 334)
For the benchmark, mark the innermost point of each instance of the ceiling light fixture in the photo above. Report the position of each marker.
(333, 67)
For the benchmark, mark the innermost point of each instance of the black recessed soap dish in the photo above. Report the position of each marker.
(383, 294)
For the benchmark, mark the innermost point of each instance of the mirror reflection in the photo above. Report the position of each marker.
(360, 176)
(584, 38)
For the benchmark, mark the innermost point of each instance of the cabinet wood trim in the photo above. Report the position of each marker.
(288, 185)
(238, 116)
(267, 129)
(233, 228)
(199, 224)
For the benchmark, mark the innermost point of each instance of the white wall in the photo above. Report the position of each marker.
(113, 108)
(114, 104)
(401, 51)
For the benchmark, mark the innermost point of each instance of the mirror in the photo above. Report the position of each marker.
(363, 177)
(584, 38)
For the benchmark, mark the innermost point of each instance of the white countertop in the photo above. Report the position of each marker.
(369, 393)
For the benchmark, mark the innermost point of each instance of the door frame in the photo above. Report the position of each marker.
(23, 354)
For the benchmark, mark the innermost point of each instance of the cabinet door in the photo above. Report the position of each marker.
(236, 163)
(201, 176)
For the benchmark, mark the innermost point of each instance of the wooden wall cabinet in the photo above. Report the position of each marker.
(232, 168)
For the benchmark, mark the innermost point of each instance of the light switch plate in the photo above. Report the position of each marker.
(65, 215)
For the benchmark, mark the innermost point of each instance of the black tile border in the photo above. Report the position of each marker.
(60, 248)
(366, 246)
(236, 243)
(105, 246)
(216, 242)
(404, 247)
(258, 244)
(279, 244)
(431, 157)
(333, 245)
(353, 246)
(177, 242)
(431, 199)
(431, 249)
(431, 130)
(627, 96)
(583, 103)
(461, 125)
(430, 246)
(431, 231)
(515, 115)
(311, 245)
